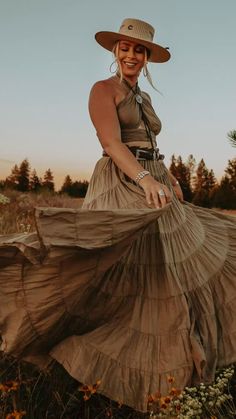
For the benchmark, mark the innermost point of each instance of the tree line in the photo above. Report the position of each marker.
(23, 179)
(198, 183)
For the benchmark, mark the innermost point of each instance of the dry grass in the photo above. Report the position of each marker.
(18, 215)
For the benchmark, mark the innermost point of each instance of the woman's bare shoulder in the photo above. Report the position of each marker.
(106, 85)
(107, 88)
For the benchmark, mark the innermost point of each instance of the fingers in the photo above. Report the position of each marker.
(158, 196)
(162, 198)
(179, 193)
(168, 194)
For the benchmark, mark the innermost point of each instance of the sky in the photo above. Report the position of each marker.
(50, 60)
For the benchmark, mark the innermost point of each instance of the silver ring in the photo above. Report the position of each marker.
(161, 192)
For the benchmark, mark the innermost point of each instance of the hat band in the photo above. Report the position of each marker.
(137, 31)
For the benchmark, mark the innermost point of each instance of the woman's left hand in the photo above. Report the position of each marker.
(178, 192)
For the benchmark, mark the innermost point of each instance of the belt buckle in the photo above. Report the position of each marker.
(137, 154)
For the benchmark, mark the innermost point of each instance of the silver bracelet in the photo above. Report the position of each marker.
(141, 175)
(176, 183)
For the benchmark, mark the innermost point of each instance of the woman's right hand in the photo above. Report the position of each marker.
(156, 193)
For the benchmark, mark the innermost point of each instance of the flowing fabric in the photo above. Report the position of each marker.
(121, 292)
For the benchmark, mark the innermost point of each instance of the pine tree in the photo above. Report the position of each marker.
(48, 180)
(231, 174)
(184, 179)
(35, 182)
(67, 185)
(24, 176)
(205, 182)
(232, 137)
(12, 180)
(191, 164)
(225, 196)
(79, 188)
(173, 166)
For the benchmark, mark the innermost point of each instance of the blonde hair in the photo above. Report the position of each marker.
(115, 51)
(146, 72)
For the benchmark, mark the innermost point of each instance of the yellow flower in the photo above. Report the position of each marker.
(174, 392)
(88, 390)
(9, 386)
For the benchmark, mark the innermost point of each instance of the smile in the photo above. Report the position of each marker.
(129, 64)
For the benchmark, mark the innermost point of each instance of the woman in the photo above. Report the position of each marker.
(138, 285)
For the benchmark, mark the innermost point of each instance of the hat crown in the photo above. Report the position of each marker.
(136, 28)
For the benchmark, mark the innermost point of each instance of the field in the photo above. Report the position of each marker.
(17, 215)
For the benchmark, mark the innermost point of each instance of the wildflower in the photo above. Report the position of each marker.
(95, 386)
(163, 406)
(170, 379)
(167, 399)
(84, 388)
(174, 392)
(88, 390)
(9, 386)
(120, 404)
(4, 199)
(16, 415)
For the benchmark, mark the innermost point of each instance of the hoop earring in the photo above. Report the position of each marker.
(145, 70)
(110, 68)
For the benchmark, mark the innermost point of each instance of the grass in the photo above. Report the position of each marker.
(28, 393)
(17, 216)
(52, 394)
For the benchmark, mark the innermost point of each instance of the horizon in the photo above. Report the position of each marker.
(60, 178)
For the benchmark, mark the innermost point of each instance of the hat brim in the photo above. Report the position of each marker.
(107, 40)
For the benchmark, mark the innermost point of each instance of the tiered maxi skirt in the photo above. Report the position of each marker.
(121, 292)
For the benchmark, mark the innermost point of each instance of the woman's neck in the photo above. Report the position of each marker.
(132, 81)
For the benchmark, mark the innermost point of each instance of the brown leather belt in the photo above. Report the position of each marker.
(143, 154)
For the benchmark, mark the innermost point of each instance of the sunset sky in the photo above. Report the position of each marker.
(50, 60)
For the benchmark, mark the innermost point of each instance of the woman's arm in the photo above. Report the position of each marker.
(102, 108)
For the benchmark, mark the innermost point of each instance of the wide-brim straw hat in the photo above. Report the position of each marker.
(138, 31)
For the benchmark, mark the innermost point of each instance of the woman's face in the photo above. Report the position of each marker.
(131, 56)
